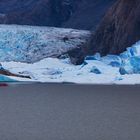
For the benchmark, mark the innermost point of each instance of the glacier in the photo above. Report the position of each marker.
(34, 51)
(128, 62)
(111, 69)
(61, 70)
(31, 43)
(131, 60)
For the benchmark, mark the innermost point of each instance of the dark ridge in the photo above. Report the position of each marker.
(119, 29)
(79, 14)
(88, 14)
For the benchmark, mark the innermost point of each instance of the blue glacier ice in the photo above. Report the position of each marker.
(131, 51)
(128, 62)
(131, 66)
(31, 44)
(113, 60)
(6, 79)
(95, 70)
(131, 60)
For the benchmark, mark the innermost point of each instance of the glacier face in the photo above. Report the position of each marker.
(131, 60)
(111, 69)
(30, 44)
(128, 62)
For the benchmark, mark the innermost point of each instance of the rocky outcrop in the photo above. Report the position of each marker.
(119, 29)
(33, 12)
(88, 14)
(79, 14)
(8, 73)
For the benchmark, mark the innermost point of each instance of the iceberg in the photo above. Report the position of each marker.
(95, 70)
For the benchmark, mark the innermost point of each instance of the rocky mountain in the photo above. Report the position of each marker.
(119, 29)
(80, 14)
(88, 14)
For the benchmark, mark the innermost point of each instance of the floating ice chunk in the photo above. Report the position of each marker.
(131, 66)
(95, 70)
(112, 60)
(125, 70)
(6, 79)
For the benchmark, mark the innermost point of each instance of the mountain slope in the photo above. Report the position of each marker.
(119, 29)
(88, 14)
(80, 14)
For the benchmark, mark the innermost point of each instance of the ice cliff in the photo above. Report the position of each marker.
(30, 44)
